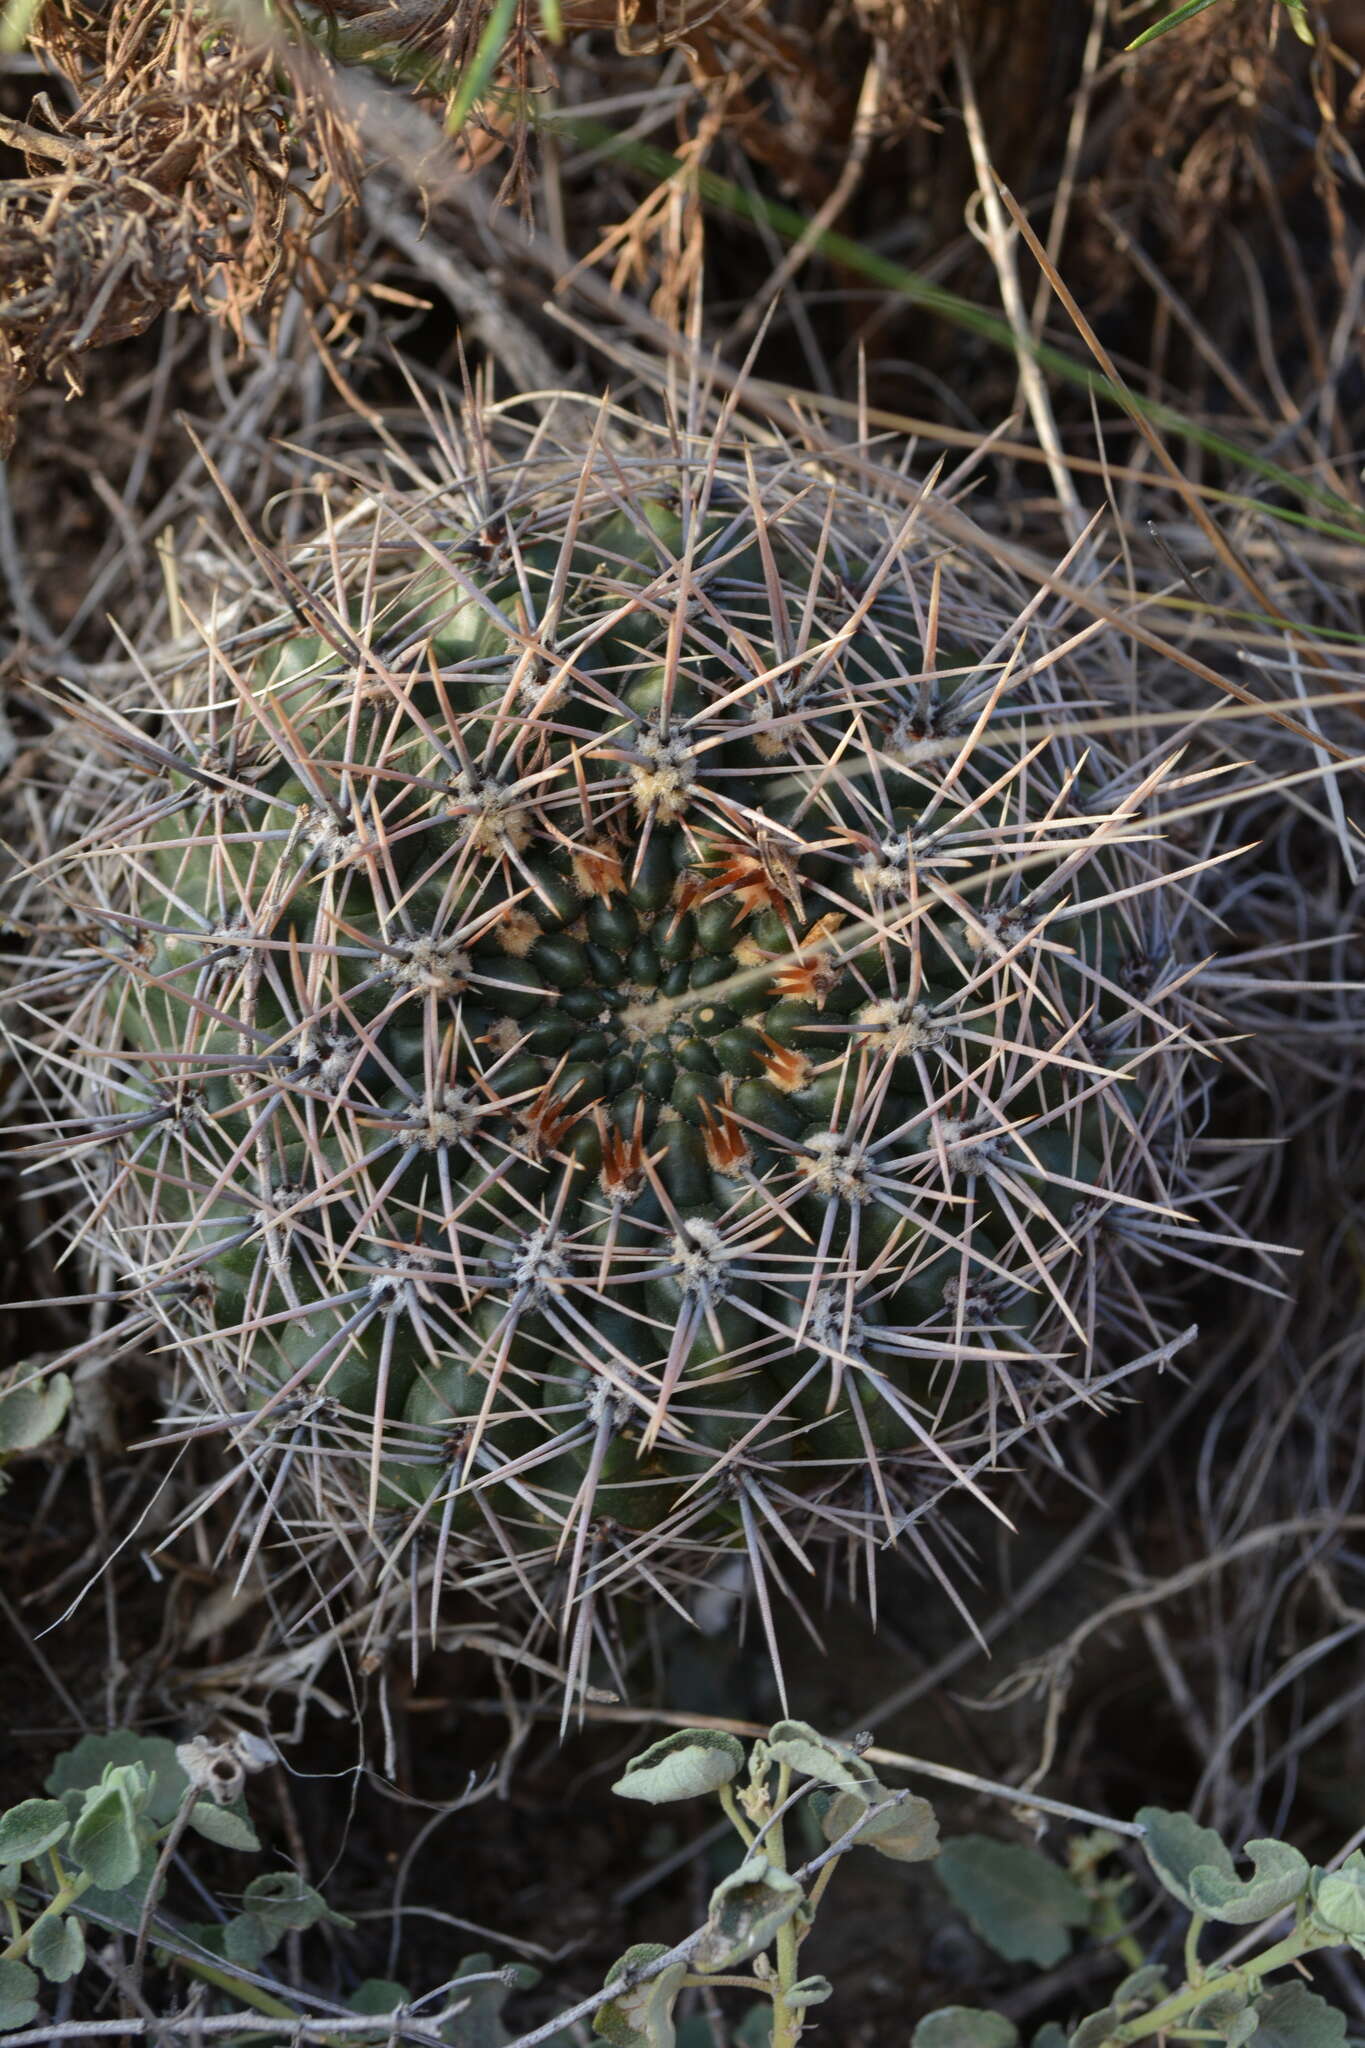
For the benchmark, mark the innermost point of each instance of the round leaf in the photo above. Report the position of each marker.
(1339, 1902)
(641, 2016)
(1017, 1900)
(31, 1413)
(248, 1941)
(1292, 2016)
(377, 1995)
(58, 1947)
(809, 1991)
(105, 1841)
(907, 1833)
(84, 1765)
(683, 1766)
(1176, 1845)
(797, 1744)
(746, 1910)
(30, 1828)
(284, 1903)
(18, 1996)
(1097, 2028)
(221, 1825)
(965, 2026)
(1143, 1987)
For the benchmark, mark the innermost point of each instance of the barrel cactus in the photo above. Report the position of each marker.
(627, 1013)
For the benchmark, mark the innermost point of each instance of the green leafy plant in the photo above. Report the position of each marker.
(1025, 1905)
(1029, 1908)
(1296, 10)
(762, 1912)
(95, 1856)
(99, 1845)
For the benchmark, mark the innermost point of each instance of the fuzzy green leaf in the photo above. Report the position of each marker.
(1143, 1987)
(964, 2026)
(478, 2022)
(30, 1828)
(123, 1904)
(1176, 1845)
(683, 1766)
(58, 1947)
(1016, 1899)
(284, 1904)
(1096, 2028)
(808, 1991)
(642, 2015)
(18, 2000)
(377, 1995)
(1281, 1877)
(382, 1998)
(907, 1833)
(222, 1825)
(1338, 1900)
(1049, 2035)
(105, 1840)
(84, 1765)
(746, 1910)
(1292, 2016)
(30, 1414)
(797, 1745)
(1225, 2014)
(11, 1876)
(247, 1940)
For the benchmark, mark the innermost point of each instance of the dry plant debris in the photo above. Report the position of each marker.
(189, 171)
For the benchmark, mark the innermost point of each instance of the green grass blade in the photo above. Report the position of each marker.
(475, 80)
(1326, 512)
(1168, 22)
(787, 222)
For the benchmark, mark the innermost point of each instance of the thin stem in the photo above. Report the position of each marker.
(1110, 1926)
(817, 1890)
(692, 1982)
(66, 1895)
(1194, 1969)
(786, 2019)
(735, 1817)
(1159, 2020)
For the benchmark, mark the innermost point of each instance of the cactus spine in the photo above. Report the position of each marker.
(630, 1014)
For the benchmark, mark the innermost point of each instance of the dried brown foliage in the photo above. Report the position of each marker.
(190, 171)
(1195, 127)
(204, 147)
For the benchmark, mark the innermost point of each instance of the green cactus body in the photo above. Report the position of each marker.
(602, 1012)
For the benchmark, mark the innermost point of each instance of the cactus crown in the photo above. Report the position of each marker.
(629, 1013)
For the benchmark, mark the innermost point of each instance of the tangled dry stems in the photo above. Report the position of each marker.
(204, 148)
(190, 172)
